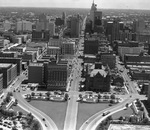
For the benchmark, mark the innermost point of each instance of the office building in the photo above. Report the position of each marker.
(23, 26)
(51, 27)
(7, 25)
(64, 18)
(149, 93)
(109, 59)
(68, 48)
(57, 75)
(96, 17)
(36, 73)
(40, 36)
(91, 46)
(27, 56)
(1, 83)
(55, 42)
(129, 50)
(8, 54)
(75, 26)
(9, 72)
(52, 50)
(11, 60)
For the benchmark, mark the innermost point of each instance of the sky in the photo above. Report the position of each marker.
(104, 4)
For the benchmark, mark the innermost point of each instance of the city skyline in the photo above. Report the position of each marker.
(109, 4)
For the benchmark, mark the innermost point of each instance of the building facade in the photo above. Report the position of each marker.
(57, 76)
(10, 60)
(1, 83)
(9, 72)
(52, 50)
(36, 73)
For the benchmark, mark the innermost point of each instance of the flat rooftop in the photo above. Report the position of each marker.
(4, 65)
(36, 64)
(128, 127)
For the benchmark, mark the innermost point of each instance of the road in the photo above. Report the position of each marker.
(50, 125)
(72, 108)
(94, 121)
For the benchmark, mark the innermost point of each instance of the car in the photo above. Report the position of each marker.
(106, 113)
(43, 119)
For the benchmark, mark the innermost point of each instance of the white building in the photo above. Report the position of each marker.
(129, 50)
(51, 27)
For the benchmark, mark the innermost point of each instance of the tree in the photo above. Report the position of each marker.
(109, 118)
(145, 120)
(14, 122)
(20, 113)
(106, 96)
(32, 94)
(112, 96)
(99, 96)
(121, 118)
(48, 94)
(127, 105)
(10, 94)
(66, 96)
(40, 94)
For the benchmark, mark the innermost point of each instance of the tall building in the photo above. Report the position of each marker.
(24, 26)
(36, 73)
(55, 42)
(68, 48)
(51, 27)
(91, 46)
(1, 83)
(95, 16)
(149, 93)
(57, 75)
(75, 26)
(64, 18)
(11, 60)
(9, 72)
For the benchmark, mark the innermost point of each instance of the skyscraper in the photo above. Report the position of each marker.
(95, 16)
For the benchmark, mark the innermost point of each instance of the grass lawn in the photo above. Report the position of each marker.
(85, 111)
(123, 113)
(55, 110)
(17, 108)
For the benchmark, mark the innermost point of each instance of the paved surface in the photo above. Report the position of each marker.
(72, 109)
(93, 121)
(48, 124)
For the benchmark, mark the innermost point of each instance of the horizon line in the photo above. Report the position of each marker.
(70, 8)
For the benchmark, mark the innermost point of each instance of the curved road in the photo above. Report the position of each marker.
(94, 120)
(46, 125)
(50, 125)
